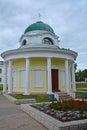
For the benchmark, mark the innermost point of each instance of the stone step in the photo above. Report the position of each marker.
(63, 96)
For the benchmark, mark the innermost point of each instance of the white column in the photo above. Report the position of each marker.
(4, 77)
(49, 75)
(27, 80)
(73, 77)
(70, 83)
(67, 76)
(10, 77)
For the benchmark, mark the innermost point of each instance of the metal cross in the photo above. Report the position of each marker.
(39, 15)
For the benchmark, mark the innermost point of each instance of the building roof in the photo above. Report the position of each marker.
(39, 26)
(1, 62)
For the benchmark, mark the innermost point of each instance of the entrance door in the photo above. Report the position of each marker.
(54, 73)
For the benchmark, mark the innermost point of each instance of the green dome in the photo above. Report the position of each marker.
(39, 26)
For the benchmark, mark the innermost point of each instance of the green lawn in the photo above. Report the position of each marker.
(1, 87)
(81, 95)
(81, 90)
(38, 98)
(81, 85)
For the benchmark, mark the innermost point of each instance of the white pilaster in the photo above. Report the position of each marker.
(67, 76)
(49, 75)
(10, 77)
(27, 80)
(73, 77)
(4, 77)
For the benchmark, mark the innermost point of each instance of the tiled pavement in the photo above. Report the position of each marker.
(12, 118)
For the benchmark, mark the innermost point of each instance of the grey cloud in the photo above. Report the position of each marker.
(67, 18)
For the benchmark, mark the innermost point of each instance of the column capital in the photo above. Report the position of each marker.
(27, 58)
(10, 60)
(66, 59)
(49, 57)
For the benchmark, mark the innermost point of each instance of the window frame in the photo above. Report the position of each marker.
(24, 42)
(48, 40)
(38, 78)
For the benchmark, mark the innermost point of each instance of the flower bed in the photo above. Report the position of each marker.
(65, 110)
(75, 105)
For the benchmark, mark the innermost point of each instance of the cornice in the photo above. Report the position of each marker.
(52, 49)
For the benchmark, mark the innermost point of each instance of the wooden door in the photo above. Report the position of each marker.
(54, 73)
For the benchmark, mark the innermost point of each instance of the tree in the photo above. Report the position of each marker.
(81, 75)
(75, 65)
(84, 73)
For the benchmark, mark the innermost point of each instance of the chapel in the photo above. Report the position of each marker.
(39, 65)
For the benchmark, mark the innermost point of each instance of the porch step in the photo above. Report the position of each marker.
(62, 96)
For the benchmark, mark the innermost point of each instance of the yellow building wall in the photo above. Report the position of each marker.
(37, 63)
(18, 64)
(58, 63)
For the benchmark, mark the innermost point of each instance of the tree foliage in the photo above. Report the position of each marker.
(81, 75)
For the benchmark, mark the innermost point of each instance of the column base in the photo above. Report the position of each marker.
(49, 92)
(9, 92)
(26, 94)
(4, 91)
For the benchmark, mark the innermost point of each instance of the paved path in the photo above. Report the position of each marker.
(13, 118)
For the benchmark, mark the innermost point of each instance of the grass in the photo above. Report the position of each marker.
(43, 99)
(81, 90)
(81, 95)
(1, 87)
(81, 85)
(37, 97)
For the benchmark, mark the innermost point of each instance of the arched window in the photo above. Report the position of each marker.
(24, 42)
(48, 40)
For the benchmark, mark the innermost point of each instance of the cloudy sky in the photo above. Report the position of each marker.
(68, 18)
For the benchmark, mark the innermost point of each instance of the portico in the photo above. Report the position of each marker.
(28, 72)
